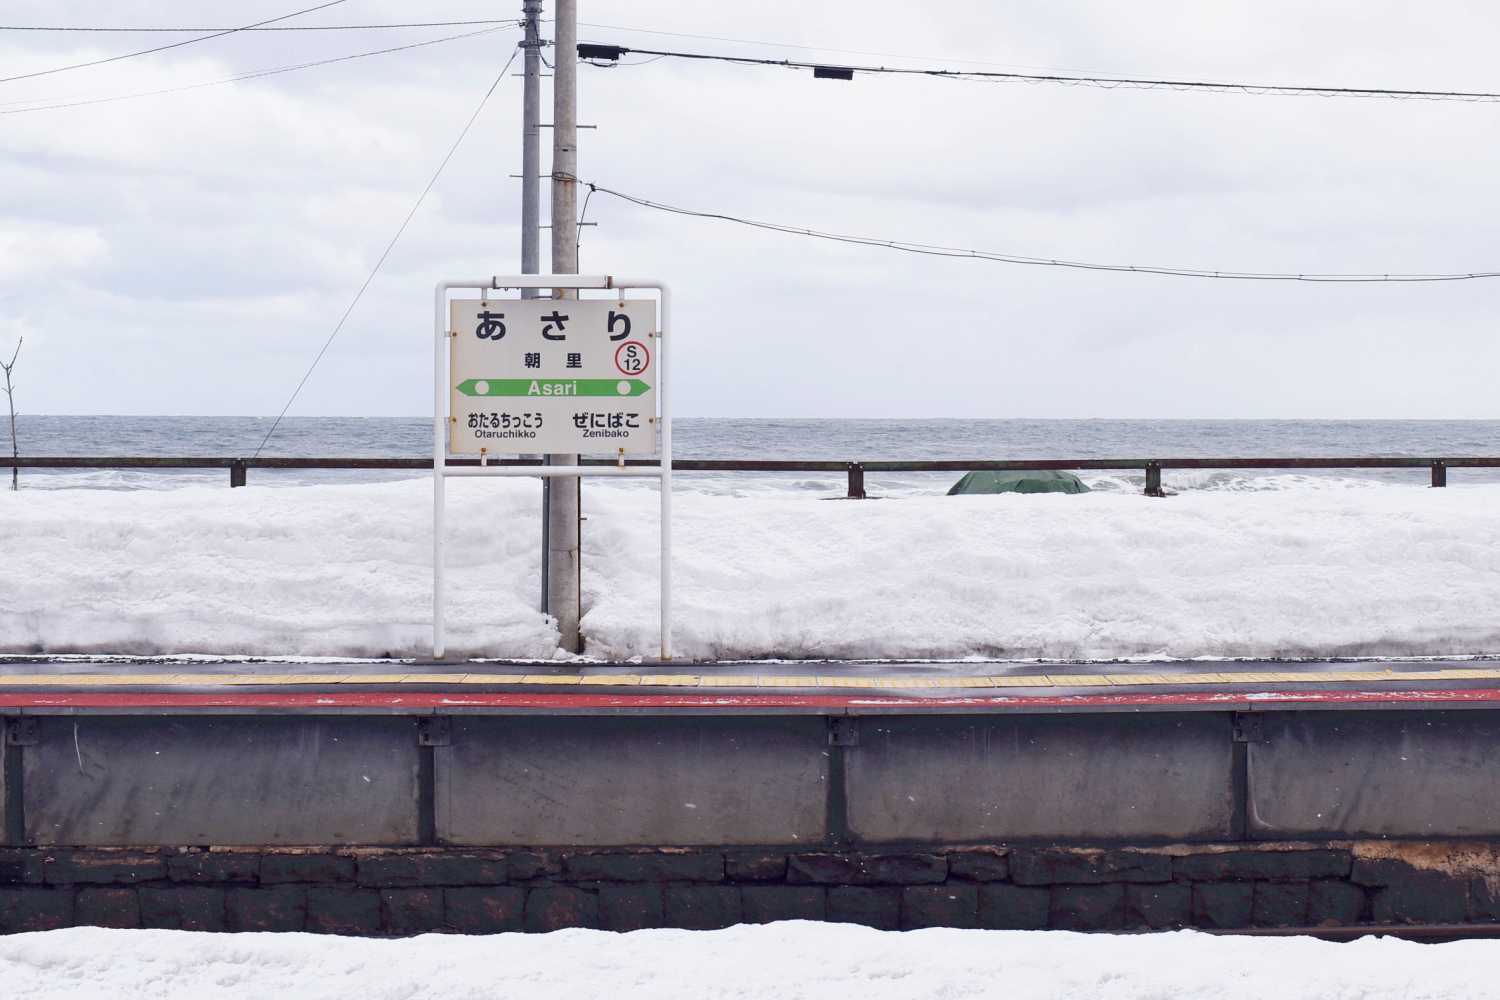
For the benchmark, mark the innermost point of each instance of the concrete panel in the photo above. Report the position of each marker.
(222, 780)
(613, 780)
(958, 778)
(1379, 774)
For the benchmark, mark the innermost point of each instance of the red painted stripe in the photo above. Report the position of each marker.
(429, 700)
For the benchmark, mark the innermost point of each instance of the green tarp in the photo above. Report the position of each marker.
(1019, 481)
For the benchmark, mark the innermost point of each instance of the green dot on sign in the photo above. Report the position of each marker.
(623, 388)
(481, 387)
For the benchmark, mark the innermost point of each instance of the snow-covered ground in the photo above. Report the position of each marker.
(1312, 569)
(773, 962)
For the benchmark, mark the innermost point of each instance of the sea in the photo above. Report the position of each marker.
(777, 438)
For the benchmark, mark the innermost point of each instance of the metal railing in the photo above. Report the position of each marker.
(855, 471)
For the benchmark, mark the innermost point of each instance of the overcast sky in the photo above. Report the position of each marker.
(189, 252)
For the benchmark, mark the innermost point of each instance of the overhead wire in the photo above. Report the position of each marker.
(1008, 258)
(164, 48)
(287, 27)
(810, 48)
(1105, 82)
(389, 247)
(240, 77)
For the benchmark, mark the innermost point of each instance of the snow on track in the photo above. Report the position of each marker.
(787, 961)
(346, 571)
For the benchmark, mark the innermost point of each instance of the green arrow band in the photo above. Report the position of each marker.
(548, 387)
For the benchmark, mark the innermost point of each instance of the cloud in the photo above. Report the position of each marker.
(225, 228)
(26, 249)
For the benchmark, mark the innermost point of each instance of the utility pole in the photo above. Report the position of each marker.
(531, 197)
(563, 594)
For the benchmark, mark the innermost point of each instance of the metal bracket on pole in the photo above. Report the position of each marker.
(441, 471)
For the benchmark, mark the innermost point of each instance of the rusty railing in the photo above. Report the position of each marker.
(855, 471)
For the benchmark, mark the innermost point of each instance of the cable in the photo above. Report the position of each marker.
(582, 214)
(813, 48)
(1105, 82)
(389, 247)
(163, 48)
(250, 75)
(1007, 258)
(309, 27)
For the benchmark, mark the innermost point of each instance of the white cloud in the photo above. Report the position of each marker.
(27, 248)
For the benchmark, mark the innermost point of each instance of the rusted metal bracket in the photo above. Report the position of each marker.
(22, 732)
(1247, 728)
(1439, 472)
(843, 731)
(435, 731)
(237, 473)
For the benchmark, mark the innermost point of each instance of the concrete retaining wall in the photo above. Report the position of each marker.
(491, 822)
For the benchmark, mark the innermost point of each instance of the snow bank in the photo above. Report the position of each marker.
(786, 961)
(345, 571)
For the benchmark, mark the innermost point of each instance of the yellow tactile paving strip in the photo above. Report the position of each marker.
(779, 681)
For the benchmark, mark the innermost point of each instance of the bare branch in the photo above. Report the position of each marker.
(10, 395)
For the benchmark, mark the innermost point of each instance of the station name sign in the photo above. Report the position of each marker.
(552, 376)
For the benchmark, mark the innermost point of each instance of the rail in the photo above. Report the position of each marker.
(855, 471)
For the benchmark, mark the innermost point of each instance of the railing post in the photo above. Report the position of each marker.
(856, 481)
(237, 473)
(1153, 479)
(1439, 472)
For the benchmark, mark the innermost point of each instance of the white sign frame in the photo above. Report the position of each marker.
(441, 397)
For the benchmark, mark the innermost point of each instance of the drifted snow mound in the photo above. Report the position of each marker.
(346, 571)
(788, 961)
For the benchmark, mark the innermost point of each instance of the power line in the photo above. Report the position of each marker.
(389, 247)
(174, 45)
(600, 54)
(309, 27)
(249, 75)
(1008, 258)
(812, 48)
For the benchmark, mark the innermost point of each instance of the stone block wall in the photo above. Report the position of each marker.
(412, 891)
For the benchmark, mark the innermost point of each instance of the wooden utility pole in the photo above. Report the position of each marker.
(563, 594)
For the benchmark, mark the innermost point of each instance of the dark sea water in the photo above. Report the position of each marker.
(789, 439)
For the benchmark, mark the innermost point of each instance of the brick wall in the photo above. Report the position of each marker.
(395, 892)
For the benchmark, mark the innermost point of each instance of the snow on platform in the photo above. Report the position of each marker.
(345, 571)
(786, 961)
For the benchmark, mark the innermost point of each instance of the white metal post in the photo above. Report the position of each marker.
(439, 448)
(663, 359)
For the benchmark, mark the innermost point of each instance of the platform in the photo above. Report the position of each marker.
(396, 797)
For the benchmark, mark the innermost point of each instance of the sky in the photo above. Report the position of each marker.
(190, 252)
